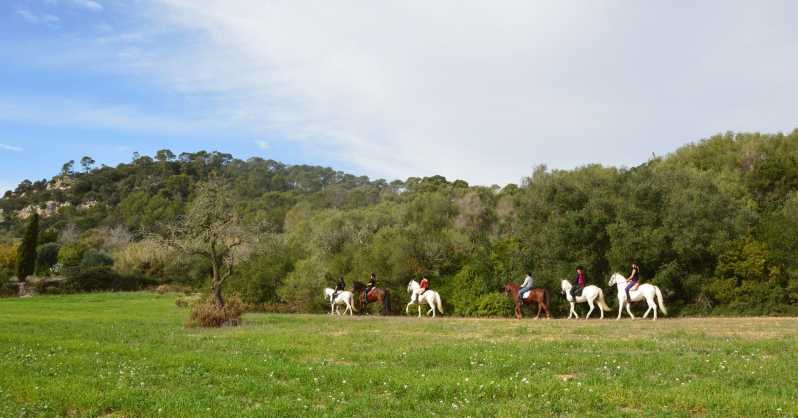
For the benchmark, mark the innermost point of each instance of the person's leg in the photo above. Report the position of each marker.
(629, 287)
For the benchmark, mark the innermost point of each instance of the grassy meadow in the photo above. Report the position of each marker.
(129, 355)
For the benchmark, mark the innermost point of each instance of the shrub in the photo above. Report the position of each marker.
(187, 300)
(147, 257)
(493, 304)
(102, 278)
(46, 257)
(171, 288)
(205, 313)
(70, 255)
(95, 258)
(8, 256)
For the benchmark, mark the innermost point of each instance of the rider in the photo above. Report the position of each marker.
(424, 285)
(371, 285)
(339, 287)
(633, 279)
(526, 286)
(580, 283)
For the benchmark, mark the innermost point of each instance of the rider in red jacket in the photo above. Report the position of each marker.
(424, 285)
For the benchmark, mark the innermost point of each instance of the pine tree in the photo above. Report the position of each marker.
(26, 258)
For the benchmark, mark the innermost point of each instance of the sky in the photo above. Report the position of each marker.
(475, 90)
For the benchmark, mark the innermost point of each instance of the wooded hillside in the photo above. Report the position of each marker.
(715, 224)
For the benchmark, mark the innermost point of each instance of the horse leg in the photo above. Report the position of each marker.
(590, 311)
(539, 309)
(648, 302)
(407, 308)
(629, 309)
(419, 310)
(620, 307)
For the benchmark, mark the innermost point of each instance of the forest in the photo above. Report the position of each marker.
(714, 224)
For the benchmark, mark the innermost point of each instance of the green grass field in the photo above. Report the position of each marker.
(129, 355)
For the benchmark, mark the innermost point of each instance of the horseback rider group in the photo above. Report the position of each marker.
(580, 281)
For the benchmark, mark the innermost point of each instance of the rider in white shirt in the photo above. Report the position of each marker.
(526, 286)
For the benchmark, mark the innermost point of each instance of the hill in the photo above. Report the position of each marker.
(715, 224)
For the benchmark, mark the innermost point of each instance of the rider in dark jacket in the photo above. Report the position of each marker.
(371, 285)
(339, 287)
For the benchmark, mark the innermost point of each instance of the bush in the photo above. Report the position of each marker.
(95, 258)
(493, 304)
(46, 257)
(205, 313)
(149, 258)
(70, 255)
(102, 278)
(172, 288)
(8, 256)
(187, 300)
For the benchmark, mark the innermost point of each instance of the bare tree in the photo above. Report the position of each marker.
(69, 234)
(213, 230)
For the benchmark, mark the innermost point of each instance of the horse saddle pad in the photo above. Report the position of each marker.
(526, 294)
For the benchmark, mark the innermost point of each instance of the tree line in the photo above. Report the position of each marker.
(714, 224)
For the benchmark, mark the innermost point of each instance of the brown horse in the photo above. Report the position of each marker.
(541, 296)
(376, 294)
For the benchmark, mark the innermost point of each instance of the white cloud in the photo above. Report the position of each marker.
(13, 148)
(34, 18)
(88, 5)
(263, 144)
(485, 91)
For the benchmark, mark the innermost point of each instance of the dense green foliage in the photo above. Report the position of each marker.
(26, 259)
(715, 225)
(130, 355)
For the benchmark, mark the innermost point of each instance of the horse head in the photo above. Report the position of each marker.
(616, 278)
(509, 288)
(412, 285)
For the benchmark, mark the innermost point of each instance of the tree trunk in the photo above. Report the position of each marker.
(216, 287)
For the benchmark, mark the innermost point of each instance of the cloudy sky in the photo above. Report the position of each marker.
(482, 91)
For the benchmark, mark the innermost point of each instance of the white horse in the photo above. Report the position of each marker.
(590, 294)
(644, 291)
(344, 297)
(430, 297)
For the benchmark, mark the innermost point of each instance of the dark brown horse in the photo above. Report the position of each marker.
(541, 296)
(376, 294)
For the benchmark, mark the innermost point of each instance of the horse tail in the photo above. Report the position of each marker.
(660, 301)
(352, 302)
(601, 302)
(386, 302)
(546, 296)
(438, 302)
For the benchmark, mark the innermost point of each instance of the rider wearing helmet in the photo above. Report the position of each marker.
(339, 287)
(580, 283)
(633, 279)
(525, 286)
(371, 285)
